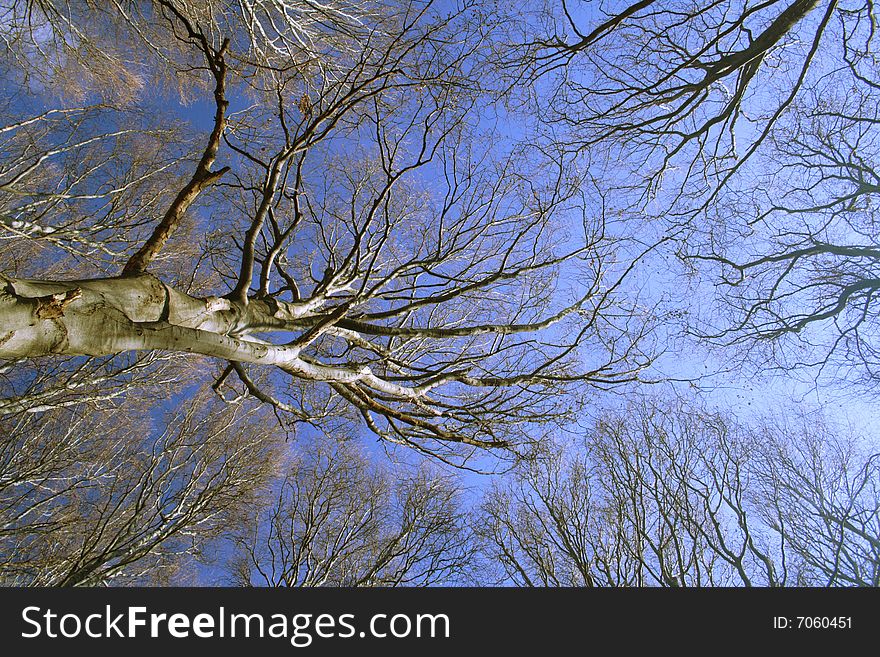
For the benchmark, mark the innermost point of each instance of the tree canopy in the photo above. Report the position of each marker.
(463, 229)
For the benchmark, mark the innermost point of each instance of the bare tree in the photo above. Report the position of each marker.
(821, 494)
(322, 270)
(336, 519)
(805, 277)
(689, 91)
(670, 495)
(101, 498)
(748, 131)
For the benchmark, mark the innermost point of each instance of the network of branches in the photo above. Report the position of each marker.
(243, 241)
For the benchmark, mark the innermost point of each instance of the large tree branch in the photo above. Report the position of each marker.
(203, 176)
